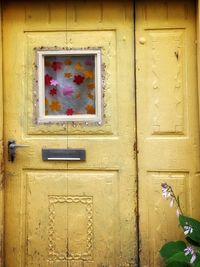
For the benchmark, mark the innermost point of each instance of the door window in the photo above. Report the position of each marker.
(69, 85)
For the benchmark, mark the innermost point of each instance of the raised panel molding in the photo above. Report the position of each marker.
(166, 77)
(105, 41)
(76, 217)
(83, 202)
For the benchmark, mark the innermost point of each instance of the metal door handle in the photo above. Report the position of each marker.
(12, 149)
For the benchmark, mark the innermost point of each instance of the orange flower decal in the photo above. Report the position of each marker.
(90, 109)
(91, 86)
(68, 62)
(55, 106)
(46, 102)
(78, 66)
(88, 74)
(68, 75)
(47, 63)
(91, 96)
(78, 95)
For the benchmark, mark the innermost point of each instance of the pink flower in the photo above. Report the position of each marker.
(53, 82)
(189, 250)
(68, 90)
(188, 229)
(166, 192)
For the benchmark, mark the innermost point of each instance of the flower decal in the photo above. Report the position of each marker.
(78, 66)
(69, 85)
(68, 75)
(53, 91)
(70, 111)
(55, 106)
(91, 96)
(88, 62)
(90, 109)
(88, 74)
(48, 79)
(56, 65)
(78, 79)
(91, 86)
(68, 90)
(53, 82)
(68, 62)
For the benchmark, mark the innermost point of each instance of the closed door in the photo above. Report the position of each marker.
(167, 110)
(68, 84)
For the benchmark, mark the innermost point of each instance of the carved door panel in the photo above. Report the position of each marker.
(61, 213)
(167, 110)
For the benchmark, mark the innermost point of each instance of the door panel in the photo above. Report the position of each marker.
(167, 110)
(70, 213)
(67, 220)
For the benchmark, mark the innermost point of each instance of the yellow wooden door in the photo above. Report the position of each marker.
(69, 213)
(167, 110)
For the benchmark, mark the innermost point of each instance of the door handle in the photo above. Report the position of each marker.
(12, 146)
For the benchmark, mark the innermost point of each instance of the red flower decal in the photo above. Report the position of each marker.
(53, 91)
(47, 79)
(56, 65)
(70, 111)
(78, 79)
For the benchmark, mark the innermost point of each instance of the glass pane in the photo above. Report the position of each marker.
(69, 84)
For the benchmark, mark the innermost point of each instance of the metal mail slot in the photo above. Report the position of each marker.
(63, 154)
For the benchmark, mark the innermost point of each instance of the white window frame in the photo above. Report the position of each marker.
(97, 117)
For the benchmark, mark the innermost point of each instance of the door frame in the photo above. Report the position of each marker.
(1, 119)
(1, 149)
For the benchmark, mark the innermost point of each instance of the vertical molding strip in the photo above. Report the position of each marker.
(1, 145)
(198, 53)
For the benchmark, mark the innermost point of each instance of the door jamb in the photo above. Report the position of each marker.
(1, 148)
(198, 53)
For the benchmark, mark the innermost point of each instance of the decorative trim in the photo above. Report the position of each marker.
(54, 255)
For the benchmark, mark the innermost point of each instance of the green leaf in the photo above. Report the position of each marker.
(192, 242)
(195, 235)
(171, 248)
(179, 257)
(197, 264)
(178, 264)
